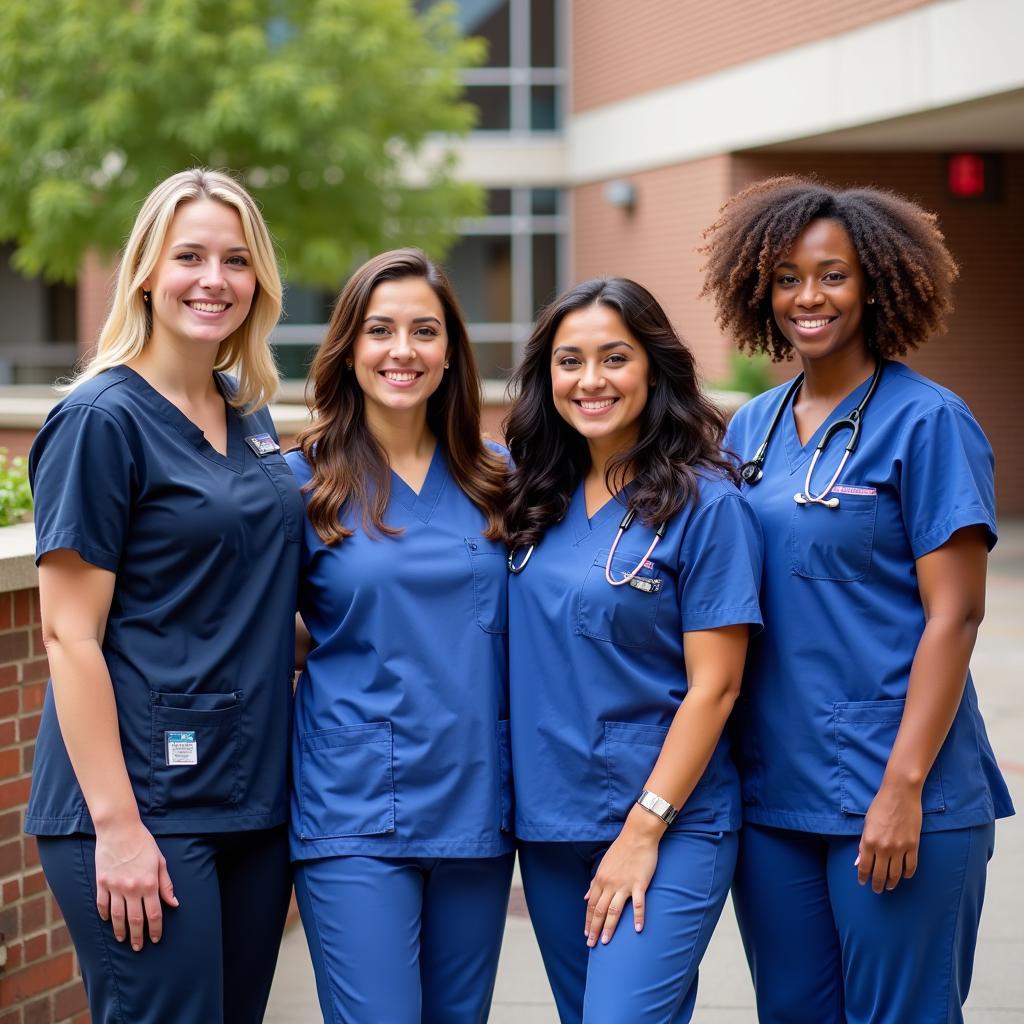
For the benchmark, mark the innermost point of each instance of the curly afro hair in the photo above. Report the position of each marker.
(908, 268)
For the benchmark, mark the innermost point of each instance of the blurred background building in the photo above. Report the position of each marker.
(610, 133)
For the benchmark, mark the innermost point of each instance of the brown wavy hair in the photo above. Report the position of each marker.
(680, 433)
(908, 269)
(349, 465)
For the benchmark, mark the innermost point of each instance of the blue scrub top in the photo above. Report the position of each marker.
(826, 681)
(597, 672)
(199, 639)
(401, 745)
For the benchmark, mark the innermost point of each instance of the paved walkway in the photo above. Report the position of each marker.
(997, 994)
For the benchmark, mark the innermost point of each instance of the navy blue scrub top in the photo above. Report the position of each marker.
(401, 744)
(199, 640)
(826, 680)
(597, 672)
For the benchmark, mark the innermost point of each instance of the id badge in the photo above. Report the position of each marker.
(262, 444)
(181, 748)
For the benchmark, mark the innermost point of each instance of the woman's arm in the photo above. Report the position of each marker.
(951, 581)
(303, 642)
(714, 669)
(131, 874)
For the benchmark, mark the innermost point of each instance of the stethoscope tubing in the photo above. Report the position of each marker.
(752, 471)
(515, 568)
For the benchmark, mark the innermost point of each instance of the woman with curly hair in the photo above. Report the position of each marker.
(635, 574)
(401, 805)
(869, 786)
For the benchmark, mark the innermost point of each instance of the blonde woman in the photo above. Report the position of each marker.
(167, 530)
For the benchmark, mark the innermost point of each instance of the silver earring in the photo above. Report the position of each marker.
(349, 364)
(871, 302)
(145, 296)
(446, 364)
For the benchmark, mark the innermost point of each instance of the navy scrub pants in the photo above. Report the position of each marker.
(404, 940)
(823, 949)
(645, 978)
(216, 960)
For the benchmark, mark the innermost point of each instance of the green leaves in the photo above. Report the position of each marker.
(15, 493)
(322, 106)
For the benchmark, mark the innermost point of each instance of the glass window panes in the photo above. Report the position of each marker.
(294, 361)
(499, 202)
(489, 20)
(480, 268)
(544, 202)
(493, 103)
(543, 44)
(306, 305)
(545, 269)
(495, 360)
(544, 108)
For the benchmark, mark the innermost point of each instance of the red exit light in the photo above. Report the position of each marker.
(971, 176)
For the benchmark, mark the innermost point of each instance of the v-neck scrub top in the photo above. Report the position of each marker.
(199, 639)
(401, 745)
(826, 680)
(597, 672)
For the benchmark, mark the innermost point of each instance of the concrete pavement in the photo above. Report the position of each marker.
(726, 997)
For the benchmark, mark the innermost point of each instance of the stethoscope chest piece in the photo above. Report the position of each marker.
(751, 472)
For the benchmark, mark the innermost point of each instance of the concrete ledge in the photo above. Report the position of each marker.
(17, 558)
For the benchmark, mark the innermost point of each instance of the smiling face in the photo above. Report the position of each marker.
(399, 354)
(202, 286)
(599, 377)
(819, 292)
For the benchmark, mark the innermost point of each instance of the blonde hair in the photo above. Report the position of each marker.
(128, 326)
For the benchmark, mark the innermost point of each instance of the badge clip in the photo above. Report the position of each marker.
(643, 583)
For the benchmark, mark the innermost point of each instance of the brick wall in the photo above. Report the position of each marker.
(39, 983)
(656, 244)
(620, 50)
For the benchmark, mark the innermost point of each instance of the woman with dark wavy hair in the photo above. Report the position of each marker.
(869, 786)
(401, 791)
(635, 569)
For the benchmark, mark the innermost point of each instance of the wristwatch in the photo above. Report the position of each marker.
(656, 805)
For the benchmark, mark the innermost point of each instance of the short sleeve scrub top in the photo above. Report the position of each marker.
(826, 680)
(598, 672)
(199, 640)
(401, 745)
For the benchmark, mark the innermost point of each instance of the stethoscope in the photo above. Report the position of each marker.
(753, 471)
(624, 525)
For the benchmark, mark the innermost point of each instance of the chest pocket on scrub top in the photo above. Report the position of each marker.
(280, 475)
(622, 615)
(490, 584)
(833, 543)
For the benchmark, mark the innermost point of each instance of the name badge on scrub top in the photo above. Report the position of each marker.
(262, 444)
(181, 748)
(645, 584)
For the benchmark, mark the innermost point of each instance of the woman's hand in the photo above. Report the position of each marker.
(131, 881)
(624, 874)
(891, 836)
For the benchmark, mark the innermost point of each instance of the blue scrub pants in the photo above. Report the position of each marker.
(823, 949)
(404, 940)
(645, 978)
(216, 960)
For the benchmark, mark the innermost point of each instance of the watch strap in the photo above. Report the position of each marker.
(656, 805)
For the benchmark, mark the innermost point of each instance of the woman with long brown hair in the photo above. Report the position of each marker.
(401, 802)
(635, 573)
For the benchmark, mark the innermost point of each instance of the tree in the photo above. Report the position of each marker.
(323, 106)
